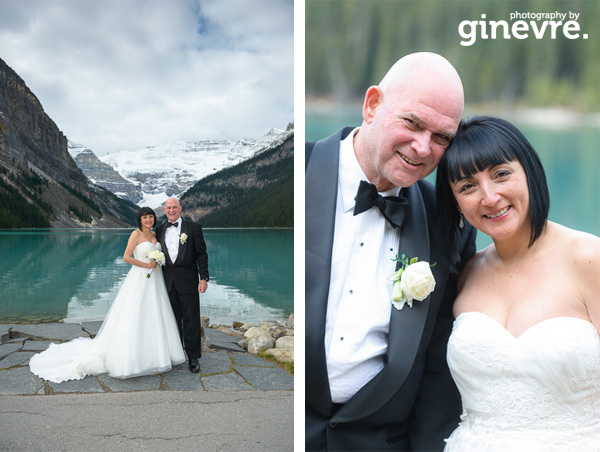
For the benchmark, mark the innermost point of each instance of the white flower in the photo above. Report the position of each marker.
(158, 257)
(182, 238)
(413, 281)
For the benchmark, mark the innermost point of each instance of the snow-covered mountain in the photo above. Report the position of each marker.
(171, 169)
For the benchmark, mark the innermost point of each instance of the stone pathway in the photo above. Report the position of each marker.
(227, 368)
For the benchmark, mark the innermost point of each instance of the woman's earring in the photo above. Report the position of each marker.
(461, 223)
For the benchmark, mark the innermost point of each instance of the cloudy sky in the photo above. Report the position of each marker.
(125, 74)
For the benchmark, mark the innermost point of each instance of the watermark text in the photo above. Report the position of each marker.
(522, 26)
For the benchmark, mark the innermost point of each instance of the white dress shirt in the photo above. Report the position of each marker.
(359, 302)
(172, 240)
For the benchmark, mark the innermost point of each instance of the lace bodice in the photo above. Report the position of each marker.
(141, 251)
(543, 386)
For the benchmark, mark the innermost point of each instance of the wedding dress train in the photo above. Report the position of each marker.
(139, 335)
(537, 392)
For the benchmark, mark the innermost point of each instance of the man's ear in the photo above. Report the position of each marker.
(373, 98)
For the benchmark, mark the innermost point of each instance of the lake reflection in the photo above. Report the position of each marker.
(74, 275)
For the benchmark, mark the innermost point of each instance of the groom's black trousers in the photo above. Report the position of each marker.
(186, 308)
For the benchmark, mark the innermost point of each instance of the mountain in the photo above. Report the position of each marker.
(40, 184)
(104, 175)
(171, 169)
(258, 192)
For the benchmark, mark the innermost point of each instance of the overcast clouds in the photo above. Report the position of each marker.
(125, 74)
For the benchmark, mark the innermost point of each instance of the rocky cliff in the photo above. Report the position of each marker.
(103, 174)
(40, 184)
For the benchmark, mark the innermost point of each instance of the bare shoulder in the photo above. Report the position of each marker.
(580, 248)
(580, 252)
(586, 251)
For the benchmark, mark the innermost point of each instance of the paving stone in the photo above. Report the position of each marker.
(15, 359)
(92, 327)
(37, 346)
(222, 341)
(250, 360)
(86, 385)
(183, 381)
(144, 383)
(7, 349)
(215, 363)
(265, 379)
(226, 382)
(55, 331)
(19, 381)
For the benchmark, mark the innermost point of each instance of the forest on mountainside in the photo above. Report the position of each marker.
(256, 193)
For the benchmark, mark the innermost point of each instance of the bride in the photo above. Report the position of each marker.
(139, 335)
(525, 349)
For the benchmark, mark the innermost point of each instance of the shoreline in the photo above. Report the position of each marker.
(274, 337)
(217, 323)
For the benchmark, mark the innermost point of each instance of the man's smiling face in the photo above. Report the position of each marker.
(172, 210)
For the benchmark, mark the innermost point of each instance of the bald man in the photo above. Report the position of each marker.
(376, 376)
(185, 274)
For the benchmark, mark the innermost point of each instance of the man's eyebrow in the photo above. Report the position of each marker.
(414, 117)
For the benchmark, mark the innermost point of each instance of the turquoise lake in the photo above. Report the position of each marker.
(73, 275)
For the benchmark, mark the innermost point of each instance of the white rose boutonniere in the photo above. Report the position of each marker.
(412, 281)
(182, 238)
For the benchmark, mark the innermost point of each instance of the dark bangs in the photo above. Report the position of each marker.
(475, 151)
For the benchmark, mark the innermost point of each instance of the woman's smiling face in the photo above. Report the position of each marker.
(496, 200)
(148, 221)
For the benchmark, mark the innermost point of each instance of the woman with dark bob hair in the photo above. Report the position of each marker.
(139, 335)
(525, 347)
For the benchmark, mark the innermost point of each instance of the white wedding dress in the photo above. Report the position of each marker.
(139, 335)
(537, 392)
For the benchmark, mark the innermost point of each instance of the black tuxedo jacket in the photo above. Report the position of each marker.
(191, 258)
(412, 404)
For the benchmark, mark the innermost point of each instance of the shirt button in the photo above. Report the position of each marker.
(341, 338)
(333, 424)
(351, 291)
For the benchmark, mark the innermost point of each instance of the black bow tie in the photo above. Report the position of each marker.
(173, 224)
(393, 208)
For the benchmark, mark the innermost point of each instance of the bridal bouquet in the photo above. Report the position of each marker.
(158, 257)
(413, 281)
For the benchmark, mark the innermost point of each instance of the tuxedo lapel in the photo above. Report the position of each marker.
(321, 185)
(406, 325)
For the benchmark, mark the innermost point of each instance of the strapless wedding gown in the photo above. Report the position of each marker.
(537, 392)
(139, 335)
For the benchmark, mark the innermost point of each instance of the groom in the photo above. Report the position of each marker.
(376, 376)
(185, 252)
